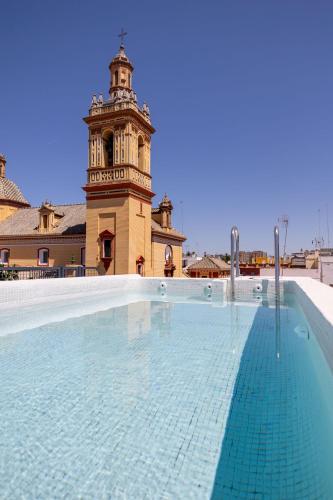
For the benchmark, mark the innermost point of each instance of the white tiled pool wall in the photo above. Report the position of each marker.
(22, 292)
(26, 304)
(188, 289)
(26, 291)
(319, 324)
(255, 289)
(29, 304)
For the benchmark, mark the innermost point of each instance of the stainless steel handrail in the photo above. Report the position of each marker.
(234, 248)
(277, 291)
(237, 252)
(277, 261)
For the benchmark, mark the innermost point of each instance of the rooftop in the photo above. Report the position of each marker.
(9, 191)
(214, 263)
(25, 221)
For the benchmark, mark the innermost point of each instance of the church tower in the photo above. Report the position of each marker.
(118, 189)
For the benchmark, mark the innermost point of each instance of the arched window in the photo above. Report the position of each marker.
(116, 78)
(129, 80)
(168, 255)
(4, 256)
(169, 266)
(140, 153)
(108, 148)
(43, 257)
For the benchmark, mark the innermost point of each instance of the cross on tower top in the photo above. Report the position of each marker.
(122, 35)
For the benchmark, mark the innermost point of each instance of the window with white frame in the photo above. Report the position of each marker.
(43, 257)
(4, 256)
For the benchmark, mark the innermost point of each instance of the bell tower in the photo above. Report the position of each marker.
(118, 188)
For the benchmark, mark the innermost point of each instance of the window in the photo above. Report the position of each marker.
(83, 256)
(116, 78)
(140, 153)
(107, 249)
(4, 256)
(43, 257)
(109, 151)
(168, 254)
(44, 221)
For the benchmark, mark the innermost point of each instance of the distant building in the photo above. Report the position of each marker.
(189, 258)
(209, 267)
(297, 260)
(311, 260)
(255, 258)
(248, 270)
(244, 257)
(326, 252)
(326, 269)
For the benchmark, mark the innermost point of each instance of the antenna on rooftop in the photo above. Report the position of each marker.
(318, 241)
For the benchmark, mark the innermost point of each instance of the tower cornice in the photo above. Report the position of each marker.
(122, 115)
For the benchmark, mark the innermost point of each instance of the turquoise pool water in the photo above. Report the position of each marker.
(167, 400)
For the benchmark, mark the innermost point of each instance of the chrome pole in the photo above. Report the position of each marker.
(237, 252)
(277, 292)
(233, 246)
(277, 261)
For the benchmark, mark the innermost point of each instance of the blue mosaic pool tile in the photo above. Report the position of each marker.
(165, 400)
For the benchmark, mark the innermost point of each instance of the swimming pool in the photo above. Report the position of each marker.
(133, 390)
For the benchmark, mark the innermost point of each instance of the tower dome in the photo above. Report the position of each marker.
(9, 191)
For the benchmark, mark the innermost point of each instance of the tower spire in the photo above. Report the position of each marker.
(121, 69)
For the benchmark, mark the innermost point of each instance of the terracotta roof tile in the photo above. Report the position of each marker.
(10, 191)
(210, 263)
(25, 221)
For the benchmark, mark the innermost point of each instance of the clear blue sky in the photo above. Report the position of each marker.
(240, 94)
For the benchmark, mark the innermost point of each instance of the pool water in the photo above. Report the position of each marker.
(167, 400)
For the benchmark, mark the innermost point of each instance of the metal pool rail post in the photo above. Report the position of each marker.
(237, 252)
(277, 261)
(234, 245)
(277, 291)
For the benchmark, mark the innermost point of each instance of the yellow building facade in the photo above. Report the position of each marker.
(116, 231)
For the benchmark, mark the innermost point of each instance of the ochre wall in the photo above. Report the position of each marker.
(140, 236)
(26, 254)
(6, 211)
(113, 215)
(129, 220)
(158, 253)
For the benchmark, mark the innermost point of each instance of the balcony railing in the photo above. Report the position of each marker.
(117, 175)
(31, 273)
